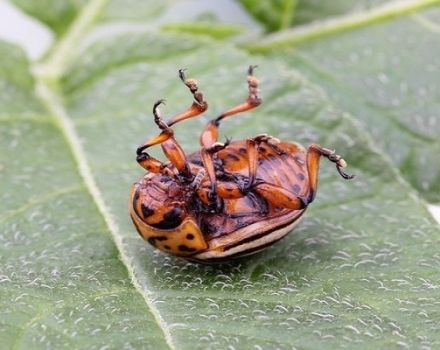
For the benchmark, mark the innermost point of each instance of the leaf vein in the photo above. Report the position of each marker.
(53, 104)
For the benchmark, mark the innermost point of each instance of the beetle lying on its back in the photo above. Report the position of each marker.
(226, 200)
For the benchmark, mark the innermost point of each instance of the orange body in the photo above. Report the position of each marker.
(157, 200)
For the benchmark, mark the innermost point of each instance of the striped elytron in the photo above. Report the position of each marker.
(226, 200)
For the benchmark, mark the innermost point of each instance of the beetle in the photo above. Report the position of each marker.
(226, 200)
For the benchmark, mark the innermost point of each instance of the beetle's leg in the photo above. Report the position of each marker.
(171, 148)
(229, 190)
(279, 196)
(197, 181)
(252, 153)
(206, 155)
(152, 164)
(314, 153)
(198, 106)
(210, 134)
(252, 145)
(225, 190)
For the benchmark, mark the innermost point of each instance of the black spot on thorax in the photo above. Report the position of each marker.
(146, 211)
(170, 220)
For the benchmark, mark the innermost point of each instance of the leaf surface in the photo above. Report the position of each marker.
(360, 271)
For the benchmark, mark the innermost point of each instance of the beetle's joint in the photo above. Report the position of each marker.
(335, 158)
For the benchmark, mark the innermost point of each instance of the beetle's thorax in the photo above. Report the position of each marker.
(160, 200)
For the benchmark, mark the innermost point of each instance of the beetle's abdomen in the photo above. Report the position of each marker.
(249, 239)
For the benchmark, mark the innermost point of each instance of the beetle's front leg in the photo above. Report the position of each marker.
(152, 164)
(170, 147)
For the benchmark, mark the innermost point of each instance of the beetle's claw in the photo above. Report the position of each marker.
(228, 141)
(339, 161)
(158, 103)
(251, 69)
(343, 173)
(182, 74)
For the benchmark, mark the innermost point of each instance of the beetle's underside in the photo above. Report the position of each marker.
(226, 200)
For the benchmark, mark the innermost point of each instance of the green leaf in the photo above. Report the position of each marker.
(275, 15)
(213, 30)
(361, 271)
(281, 14)
(133, 10)
(314, 10)
(385, 75)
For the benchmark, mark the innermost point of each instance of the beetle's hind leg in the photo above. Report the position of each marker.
(252, 145)
(284, 198)
(314, 153)
(279, 196)
(210, 133)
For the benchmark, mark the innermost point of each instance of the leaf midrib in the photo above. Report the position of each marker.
(46, 79)
(51, 101)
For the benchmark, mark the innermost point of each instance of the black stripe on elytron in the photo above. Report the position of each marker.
(260, 235)
(235, 255)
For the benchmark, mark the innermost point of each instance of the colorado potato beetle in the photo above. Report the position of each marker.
(226, 200)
